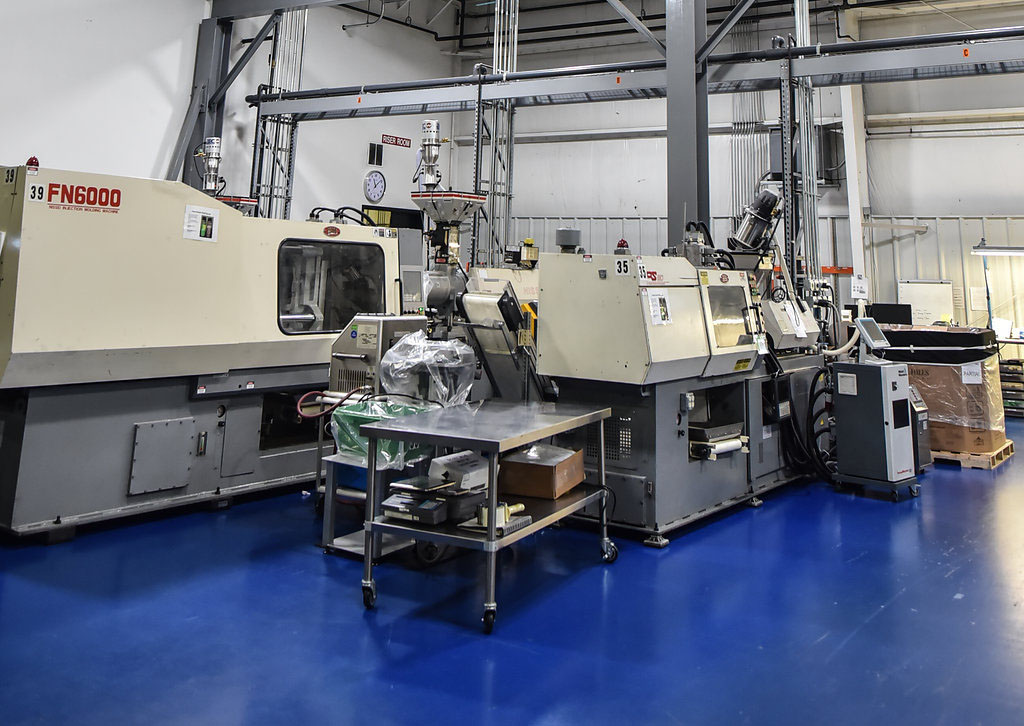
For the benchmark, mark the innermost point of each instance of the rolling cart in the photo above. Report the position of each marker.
(491, 428)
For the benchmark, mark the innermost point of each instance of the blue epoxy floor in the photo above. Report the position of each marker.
(817, 607)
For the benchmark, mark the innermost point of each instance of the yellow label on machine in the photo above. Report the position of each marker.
(742, 364)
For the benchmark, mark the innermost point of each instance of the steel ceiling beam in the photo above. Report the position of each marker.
(907, 64)
(638, 25)
(254, 46)
(238, 9)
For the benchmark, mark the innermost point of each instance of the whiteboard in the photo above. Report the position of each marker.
(930, 300)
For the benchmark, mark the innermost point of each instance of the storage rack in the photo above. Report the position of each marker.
(1011, 378)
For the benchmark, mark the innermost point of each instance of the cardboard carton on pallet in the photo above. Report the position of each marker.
(965, 404)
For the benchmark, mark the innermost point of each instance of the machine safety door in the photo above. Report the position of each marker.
(728, 314)
(241, 439)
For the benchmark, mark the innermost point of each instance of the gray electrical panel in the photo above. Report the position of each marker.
(922, 436)
(162, 455)
(873, 431)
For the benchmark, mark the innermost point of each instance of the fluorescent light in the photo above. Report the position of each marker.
(985, 250)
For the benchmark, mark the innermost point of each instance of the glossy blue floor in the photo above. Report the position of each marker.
(816, 607)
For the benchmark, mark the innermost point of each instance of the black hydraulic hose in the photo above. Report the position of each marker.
(818, 459)
(366, 220)
(833, 314)
(727, 257)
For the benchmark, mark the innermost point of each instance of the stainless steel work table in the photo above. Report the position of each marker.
(490, 428)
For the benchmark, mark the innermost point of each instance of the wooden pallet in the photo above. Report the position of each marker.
(976, 461)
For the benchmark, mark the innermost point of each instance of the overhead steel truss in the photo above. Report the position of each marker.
(954, 60)
(463, 97)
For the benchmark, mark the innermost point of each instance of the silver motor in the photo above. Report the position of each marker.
(430, 150)
(211, 160)
(757, 217)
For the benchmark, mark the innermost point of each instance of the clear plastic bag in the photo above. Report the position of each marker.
(965, 404)
(352, 447)
(436, 370)
(965, 394)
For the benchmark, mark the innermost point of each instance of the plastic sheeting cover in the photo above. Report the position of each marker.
(966, 395)
(347, 419)
(415, 361)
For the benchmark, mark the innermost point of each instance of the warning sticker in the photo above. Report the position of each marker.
(661, 313)
(366, 336)
(742, 364)
(201, 223)
(761, 340)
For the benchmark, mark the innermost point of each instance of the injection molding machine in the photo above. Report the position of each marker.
(153, 341)
(676, 351)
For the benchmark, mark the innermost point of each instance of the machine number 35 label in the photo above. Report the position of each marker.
(622, 266)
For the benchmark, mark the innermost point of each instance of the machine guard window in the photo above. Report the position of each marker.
(321, 285)
(728, 303)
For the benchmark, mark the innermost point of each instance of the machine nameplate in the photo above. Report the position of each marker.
(846, 384)
(75, 197)
(366, 336)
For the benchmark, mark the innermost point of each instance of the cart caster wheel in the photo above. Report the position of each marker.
(915, 491)
(489, 621)
(369, 596)
(609, 552)
(895, 495)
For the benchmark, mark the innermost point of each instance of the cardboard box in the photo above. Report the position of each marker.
(965, 404)
(541, 471)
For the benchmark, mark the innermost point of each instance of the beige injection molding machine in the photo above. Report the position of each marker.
(153, 342)
(678, 353)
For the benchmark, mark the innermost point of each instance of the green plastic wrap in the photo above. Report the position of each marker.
(347, 419)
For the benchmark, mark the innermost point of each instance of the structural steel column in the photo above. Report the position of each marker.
(212, 54)
(686, 30)
(855, 155)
